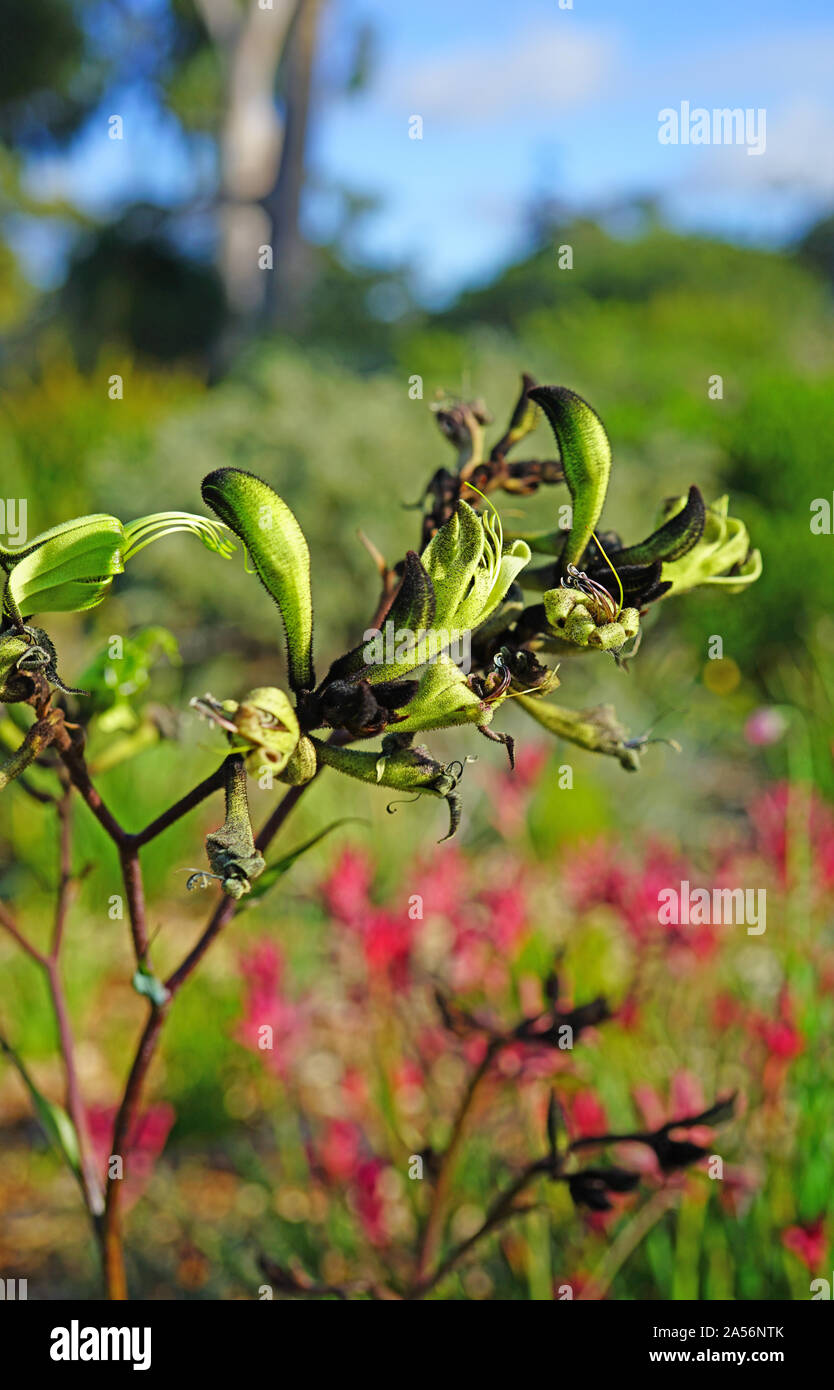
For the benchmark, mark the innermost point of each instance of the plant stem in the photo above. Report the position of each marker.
(433, 1234)
(38, 738)
(89, 1176)
(135, 894)
(110, 1234)
(111, 1239)
(503, 1209)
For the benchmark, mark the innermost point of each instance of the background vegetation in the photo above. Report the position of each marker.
(302, 1154)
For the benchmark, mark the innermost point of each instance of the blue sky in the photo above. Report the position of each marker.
(525, 101)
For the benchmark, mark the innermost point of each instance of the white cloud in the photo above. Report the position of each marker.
(541, 71)
(799, 156)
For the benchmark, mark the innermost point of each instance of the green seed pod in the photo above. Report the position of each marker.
(559, 604)
(609, 637)
(401, 769)
(629, 620)
(231, 849)
(579, 626)
(301, 766)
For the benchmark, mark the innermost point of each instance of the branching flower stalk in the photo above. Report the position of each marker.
(586, 591)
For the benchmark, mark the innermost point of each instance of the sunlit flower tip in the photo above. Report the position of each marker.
(71, 567)
(470, 568)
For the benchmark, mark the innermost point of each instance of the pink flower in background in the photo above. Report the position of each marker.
(443, 884)
(780, 1035)
(808, 1242)
(346, 888)
(506, 915)
(266, 1006)
(765, 726)
(512, 789)
(686, 1096)
(387, 941)
(338, 1151)
(585, 1115)
(145, 1142)
(651, 1106)
(368, 1202)
(770, 814)
(594, 876)
(738, 1187)
(340, 1157)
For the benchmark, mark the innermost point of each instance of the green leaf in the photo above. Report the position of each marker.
(279, 552)
(54, 1120)
(586, 459)
(146, 983)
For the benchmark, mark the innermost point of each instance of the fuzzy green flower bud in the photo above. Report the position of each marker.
(231, 850)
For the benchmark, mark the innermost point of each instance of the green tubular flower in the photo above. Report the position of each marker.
(278, 549)
(722, 556)
(470, 568)
(71, 567)
(399, 769)
(597, 730)
(586, 459)
(67, 569)
(457, 583)
(444, 699)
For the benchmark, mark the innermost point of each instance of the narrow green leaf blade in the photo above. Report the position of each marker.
(54, 1120)
(273, 872)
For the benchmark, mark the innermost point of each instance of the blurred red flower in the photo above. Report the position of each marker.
(145, 1142)
(808, 1242)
